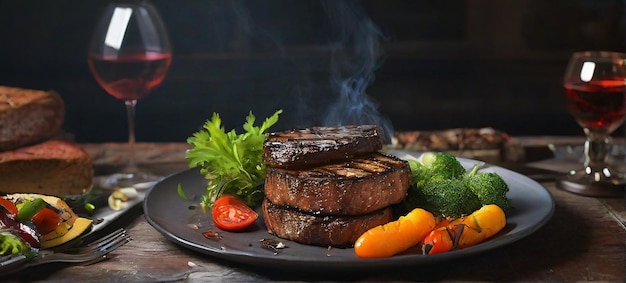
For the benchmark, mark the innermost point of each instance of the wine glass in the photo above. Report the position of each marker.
(595, 85)
(129, 55)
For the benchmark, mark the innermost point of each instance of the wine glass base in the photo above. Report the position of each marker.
(584, 186)
(138, 180)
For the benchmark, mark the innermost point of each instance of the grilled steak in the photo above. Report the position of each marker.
(326, 186)
(336, 231)
(319, 145)
(358, 186)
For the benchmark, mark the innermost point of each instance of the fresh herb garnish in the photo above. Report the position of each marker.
(181, 193)
(232, 163)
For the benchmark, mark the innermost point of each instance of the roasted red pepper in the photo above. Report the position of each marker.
(9, 206)
(46, 220)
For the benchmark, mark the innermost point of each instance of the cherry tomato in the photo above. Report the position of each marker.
(9, 206)
(466, 231)
(46, 220)
(438, 241)
(231, 214)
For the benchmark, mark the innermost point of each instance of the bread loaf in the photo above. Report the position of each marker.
(52, 167)
(28, 116)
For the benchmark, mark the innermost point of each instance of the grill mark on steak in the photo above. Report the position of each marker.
(319, 145)
(369, 165)
(354, 187)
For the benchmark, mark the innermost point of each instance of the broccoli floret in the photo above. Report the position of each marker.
(444, 197)
(11, 244)
(441, 185)
(489, 187)
(419, 172)
(435, 165)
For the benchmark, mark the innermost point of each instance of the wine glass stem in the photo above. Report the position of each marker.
(131, 167)
(597, 149)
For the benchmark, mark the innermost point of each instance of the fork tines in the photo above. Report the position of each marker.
(104, 243)
(88, 254)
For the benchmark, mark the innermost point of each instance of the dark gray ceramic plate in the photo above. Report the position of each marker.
(171, 215)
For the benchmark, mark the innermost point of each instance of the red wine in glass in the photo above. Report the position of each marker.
(594, 86)
(129, 56)
(130, 76)
(597, 105)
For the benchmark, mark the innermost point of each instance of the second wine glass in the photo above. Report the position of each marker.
(595, 85)
(129, 56)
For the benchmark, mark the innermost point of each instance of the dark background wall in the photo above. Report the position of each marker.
(440, 64)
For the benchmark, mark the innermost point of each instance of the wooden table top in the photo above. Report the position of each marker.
(583, 241)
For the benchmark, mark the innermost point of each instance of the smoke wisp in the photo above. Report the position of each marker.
(356, 54)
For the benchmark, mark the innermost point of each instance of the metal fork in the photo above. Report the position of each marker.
(91, 253)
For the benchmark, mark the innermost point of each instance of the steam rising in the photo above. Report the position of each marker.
(355, 57)
(355, 49)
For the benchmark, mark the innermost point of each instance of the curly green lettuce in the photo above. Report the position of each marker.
(232, 163)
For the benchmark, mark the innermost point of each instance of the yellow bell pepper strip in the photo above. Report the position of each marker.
(64, 234)
(396, 236)
(466, 231)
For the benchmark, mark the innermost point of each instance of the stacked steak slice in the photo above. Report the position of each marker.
(327, 185)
